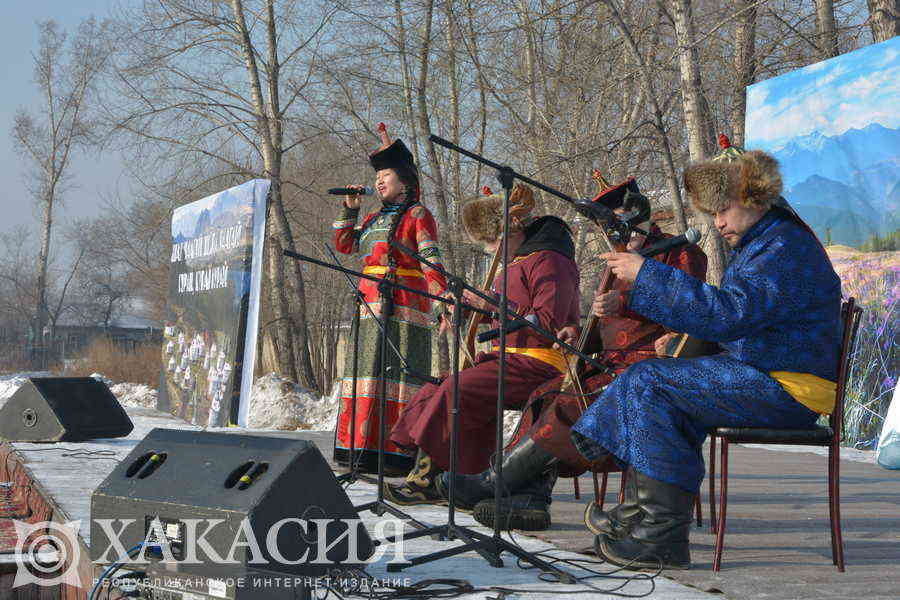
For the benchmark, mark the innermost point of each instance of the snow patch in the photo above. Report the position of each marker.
(134, 395)
(277, 403)
(109, 382)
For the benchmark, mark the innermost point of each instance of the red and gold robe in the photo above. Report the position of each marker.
(409, 326)
(627, 338)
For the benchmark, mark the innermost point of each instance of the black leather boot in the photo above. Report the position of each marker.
(523, 464)
(528, 510)
(618, 521)
(419, 487)
(660, 538)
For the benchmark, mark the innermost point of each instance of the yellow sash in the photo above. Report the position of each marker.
(813, 392)
(381, 270)
(547, 355)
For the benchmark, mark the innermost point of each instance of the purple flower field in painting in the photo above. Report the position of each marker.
(873, 278)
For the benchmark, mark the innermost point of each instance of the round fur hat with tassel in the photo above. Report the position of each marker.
(752, 177)
(482, 216)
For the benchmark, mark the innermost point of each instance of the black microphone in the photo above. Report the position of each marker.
(366, 191)
(691, 236)
(492, 334)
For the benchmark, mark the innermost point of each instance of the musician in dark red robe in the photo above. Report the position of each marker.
(542, 281)
(620, 338)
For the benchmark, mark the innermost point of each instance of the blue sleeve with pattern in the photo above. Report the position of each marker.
(756, 292)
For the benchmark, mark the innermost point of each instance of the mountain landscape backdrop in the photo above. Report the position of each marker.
(835, 128)
(847, 187)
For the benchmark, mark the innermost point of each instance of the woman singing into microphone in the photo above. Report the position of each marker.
(408, 316)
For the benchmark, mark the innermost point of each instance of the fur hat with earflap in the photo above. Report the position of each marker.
(753, 178)
(482, 216)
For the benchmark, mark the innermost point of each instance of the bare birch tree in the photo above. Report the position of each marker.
(218, 81)
(744, 63)
(697, 120)
(65, 72)
(826, 29)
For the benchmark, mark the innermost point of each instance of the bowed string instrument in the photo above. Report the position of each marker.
(521, 201)
(615, 234)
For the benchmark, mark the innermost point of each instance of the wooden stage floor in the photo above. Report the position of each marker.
(777, 543)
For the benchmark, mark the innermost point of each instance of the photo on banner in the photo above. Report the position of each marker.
(834, 127)
(212, 314)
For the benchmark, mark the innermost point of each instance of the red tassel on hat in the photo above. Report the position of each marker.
(486, 191)
(724, 142)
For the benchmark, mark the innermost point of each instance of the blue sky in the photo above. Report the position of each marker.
(846, 92)
(18, 40)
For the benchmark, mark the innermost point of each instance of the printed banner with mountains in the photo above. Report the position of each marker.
(835, 128)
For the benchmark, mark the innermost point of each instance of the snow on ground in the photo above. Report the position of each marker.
(134, 394)
(276, 403)
(474, 569)
(10, 383)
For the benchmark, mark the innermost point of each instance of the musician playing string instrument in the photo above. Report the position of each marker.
(776, 316)
(542, 281)
(542, 446)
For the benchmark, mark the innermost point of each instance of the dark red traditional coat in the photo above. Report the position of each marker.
(627, 339)
(542, 280)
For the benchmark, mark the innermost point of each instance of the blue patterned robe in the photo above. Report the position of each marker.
(777, 309)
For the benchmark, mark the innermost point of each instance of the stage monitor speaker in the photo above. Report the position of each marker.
(62, 409)
(231, 490)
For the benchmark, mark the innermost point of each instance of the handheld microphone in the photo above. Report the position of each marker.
(366, 191)
(492, 334)
(691, 236)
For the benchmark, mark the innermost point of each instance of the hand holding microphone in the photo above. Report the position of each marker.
(352, 194)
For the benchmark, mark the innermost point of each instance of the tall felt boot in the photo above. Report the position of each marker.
(529, 510)
(522, 465)
(660, 538)
(419, 487)
(618, 521)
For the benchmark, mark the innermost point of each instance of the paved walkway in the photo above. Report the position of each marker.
(777, 542)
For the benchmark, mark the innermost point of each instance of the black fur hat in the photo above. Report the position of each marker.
(396, 156)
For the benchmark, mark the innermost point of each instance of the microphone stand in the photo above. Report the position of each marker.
(379, 506)
(492, 546)
(360, 301)
(489, 547)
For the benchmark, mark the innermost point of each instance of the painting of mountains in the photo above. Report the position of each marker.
(835, 128)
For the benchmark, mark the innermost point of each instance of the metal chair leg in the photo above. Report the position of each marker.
(830, 483)
(723, 505)
(835, 493)
(603, 489)
(712, 484)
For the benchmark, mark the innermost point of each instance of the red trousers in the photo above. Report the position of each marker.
(549, 417)
(425, 422)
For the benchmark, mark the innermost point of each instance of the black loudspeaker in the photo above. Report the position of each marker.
(243, 494)
(62, 409)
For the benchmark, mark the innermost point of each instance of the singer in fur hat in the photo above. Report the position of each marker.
(776, 316)
(408, 316)
(542, 283)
